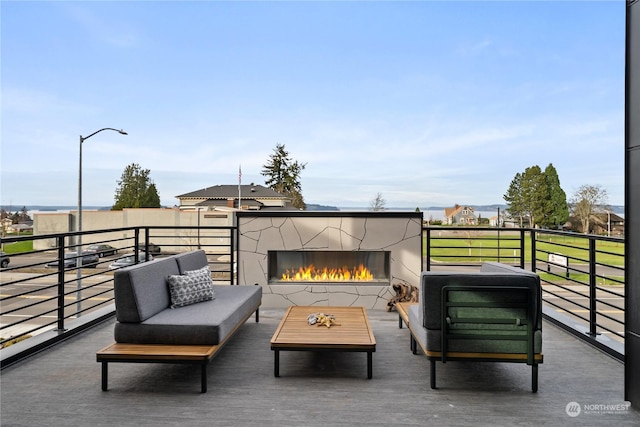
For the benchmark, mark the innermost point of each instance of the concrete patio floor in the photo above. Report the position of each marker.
(61, 386)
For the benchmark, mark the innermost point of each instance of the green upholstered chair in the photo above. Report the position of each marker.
(486, 316)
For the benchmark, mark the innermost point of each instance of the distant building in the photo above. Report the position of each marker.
(20, 227)
(460, 215)
(250, 197)
(603, 223)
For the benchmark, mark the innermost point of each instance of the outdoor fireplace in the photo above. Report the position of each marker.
(326, 267)
(326, 258)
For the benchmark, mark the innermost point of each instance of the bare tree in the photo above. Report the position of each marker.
(378, 203)
(586, 202)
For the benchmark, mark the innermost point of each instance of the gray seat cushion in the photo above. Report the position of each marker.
(203, 323)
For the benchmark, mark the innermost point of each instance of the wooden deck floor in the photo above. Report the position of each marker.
(61, 386)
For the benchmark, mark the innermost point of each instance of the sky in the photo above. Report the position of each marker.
(429, 103)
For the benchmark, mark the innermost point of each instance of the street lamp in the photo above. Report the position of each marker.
(498, 224)
(79, 224)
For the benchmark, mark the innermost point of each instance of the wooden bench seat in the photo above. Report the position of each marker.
(157, 353)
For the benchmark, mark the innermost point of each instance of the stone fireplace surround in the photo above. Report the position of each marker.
(399, 233)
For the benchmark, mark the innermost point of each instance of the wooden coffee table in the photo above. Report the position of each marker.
(352, 334)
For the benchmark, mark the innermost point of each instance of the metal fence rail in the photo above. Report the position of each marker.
(582, 275)
(455, 247)
(586, 273)
(37, 296)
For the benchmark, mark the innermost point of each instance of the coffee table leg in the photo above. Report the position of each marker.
(369, 364)
(276, 364)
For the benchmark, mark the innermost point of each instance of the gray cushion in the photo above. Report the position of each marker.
(415, 324)
(192, 287)
(204, 323)
(192, 260)
(141, 290)
(498, 267)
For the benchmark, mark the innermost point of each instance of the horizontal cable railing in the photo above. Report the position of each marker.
(44, 288)
(582, 275)
(47, 284)
(470, 246)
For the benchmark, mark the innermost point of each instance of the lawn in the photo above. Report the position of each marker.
(18, 247)
(474, 246)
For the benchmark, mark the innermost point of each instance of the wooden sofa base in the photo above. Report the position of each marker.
(403, 312)
(434, 356)
(165, 353)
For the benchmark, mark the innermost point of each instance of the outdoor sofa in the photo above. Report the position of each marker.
(168, 311)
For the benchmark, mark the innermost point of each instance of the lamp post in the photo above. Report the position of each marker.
(498, 224)
(79, 224)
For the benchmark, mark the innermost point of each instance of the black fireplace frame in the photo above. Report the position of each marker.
(377, 261)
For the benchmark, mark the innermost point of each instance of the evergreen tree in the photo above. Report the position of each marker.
(558, 208)
(538, 197)
(514, 198)
(136, 190)
(535, 194)
(283, 175)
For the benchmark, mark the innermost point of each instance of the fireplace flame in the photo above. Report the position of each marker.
(344, 274)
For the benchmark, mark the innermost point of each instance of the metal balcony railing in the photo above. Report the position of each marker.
(47, 288)
(582, 275)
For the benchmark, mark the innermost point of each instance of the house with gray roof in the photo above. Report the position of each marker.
(250, 197)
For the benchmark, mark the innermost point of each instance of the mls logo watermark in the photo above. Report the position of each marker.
(573, 409)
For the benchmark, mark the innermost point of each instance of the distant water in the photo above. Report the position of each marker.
(434, 214)
(438, 214)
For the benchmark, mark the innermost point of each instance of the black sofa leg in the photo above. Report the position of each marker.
(105, 374)
(257, 315)
(433, 374)
(534, 378)
(203, 378)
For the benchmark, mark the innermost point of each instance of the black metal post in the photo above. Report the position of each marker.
(60, 244)
(147, 239)
(136, 242)
(498, 224)
(533, 249)
(592, 289)
(232, 233)
(428, 249)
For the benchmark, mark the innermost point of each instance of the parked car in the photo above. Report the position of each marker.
(4, 260)
(101, 250)
(153, 248)
(71, 259)
(129, 259)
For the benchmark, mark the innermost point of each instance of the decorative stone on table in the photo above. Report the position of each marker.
(322, 319)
